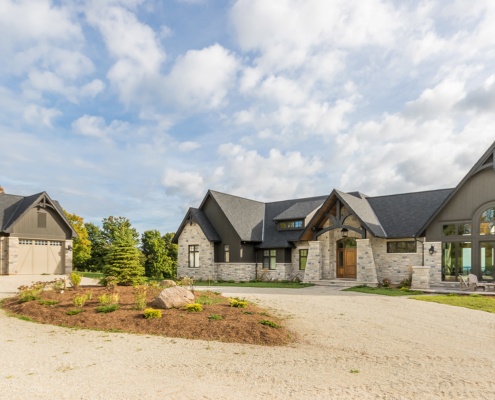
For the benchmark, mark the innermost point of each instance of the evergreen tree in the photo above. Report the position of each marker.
(99, 249)
(171, 249)
(123, 260)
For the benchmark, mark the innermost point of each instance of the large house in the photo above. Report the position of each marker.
(433, 236)
(35, 235)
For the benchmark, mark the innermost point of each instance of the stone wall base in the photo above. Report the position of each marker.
(420, 278)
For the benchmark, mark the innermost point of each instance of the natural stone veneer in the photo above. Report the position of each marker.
(366, 269)
(68, 256)
(314, 262)
(193, 235)
(13, 257)
(434, 261)
(420, 277)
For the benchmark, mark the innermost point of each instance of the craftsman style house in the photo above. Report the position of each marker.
(35, 235)
(437, 235)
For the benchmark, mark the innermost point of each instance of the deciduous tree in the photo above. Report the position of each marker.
(81, 245)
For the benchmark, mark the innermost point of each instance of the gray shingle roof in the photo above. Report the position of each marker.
(273, 238)
(246, 216)
(403, 215)
(8, 206)
(360, 206)
(205, 224)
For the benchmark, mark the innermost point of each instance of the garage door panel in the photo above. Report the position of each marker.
(40, 257)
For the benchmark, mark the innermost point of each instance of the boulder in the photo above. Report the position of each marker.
(168, 283)
(173, 297)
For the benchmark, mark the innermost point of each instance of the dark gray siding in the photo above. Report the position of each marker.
(477, 191)
(56, 228)
(228, 234)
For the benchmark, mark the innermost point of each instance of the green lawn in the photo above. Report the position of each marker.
(95, 275)
(472, 301)
(383, 291)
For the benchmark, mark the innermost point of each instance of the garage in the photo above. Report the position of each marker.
(40, 257)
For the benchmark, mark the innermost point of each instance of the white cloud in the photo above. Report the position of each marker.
(183, 183)
(93, 126)
(189, 146)
(34, 114)
(202, 78)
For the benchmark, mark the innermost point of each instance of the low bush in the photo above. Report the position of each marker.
(75, 311)
(80, 300)
(30, 293)
(269, 323)
(194, 307)
(140, 296)
(107, 309)
(59, 285)
(75, 279)
(239, 303)
(215, 317)
(150, 313)
(110, 298)
(47, 302)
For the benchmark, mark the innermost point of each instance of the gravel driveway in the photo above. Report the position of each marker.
(351, 346)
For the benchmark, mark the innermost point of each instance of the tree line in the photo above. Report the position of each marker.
(116, 249)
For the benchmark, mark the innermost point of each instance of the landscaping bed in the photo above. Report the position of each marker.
(218, 321)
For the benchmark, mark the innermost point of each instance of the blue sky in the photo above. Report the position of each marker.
(136, 108)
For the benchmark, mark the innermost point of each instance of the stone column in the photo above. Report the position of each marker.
(314, 262)
(13, 255)
(434, 261)
(420, 278)
(68, 257)
(366, 269)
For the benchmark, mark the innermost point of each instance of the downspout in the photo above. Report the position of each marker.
(422, 251)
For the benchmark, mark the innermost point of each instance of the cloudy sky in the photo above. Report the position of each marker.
(136, 108)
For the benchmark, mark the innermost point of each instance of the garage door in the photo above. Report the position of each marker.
(40, 257)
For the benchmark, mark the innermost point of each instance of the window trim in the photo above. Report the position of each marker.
(270, 259)
(41, 223)
(297, 224)
(301, 257)
(194, 251)
(226, 253)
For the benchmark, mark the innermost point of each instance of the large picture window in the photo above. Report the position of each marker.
(401, 247)
(270, 259)
(194, 256)
(456, 260)
(487, 250)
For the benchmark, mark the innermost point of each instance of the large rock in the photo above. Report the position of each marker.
(168, 283)
(173, 297)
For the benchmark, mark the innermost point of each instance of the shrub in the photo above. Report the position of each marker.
(269, 323)
(80, 300)
(194, 307)
(406, 282)
(112, 298)
(59, 285)
(75, 279)
(107, 309)
(75, 311)
(386, 282)
(110, 282)
(215, 317)
(150, 313)
(47, 302)
(208, 298)
(186, 281)
(30, 293)
(140, 296)
(236, 302)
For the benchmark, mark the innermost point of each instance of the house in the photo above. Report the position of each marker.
(35, 235)
(432, 236)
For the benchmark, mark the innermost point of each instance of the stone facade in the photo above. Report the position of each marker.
(68, 256)
(13, 255)
(394, 266)
(237, 272)
(420, 277)
(314, 264)
(434, 261)
(3, 255)
(193, 235)
(366, 269)
(282, 272)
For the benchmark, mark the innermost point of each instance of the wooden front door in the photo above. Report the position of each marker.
(346, 258)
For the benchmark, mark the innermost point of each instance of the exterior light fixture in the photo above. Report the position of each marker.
(344, 232)
(69, 248)
(431, 250)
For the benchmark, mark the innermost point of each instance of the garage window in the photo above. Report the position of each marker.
(25, 241)
(41, 242)
(55, 243)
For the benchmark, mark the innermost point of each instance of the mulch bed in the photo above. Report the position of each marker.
(238, 325)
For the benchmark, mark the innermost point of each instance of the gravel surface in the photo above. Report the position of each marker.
(351, 346)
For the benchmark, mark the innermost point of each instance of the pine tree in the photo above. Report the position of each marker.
(124, 258)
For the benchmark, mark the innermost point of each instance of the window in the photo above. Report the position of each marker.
(401, 247)
(25, 241)
(456, 260)
(303, 258)
(52, 243)
(226, 252)
(456, 230)
(41, 242)
(269, 259)
(41, 220)
(296, 224)
(487, 250)
(194, 256)
(487, 222)
(241, 252)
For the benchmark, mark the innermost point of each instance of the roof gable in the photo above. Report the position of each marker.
(487, 160)
(13, 208)
(245, 216)
(194, 214)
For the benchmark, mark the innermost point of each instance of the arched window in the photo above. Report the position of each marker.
(487, 222)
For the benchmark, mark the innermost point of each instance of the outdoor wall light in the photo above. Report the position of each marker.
(69, 248)
(431, 250)
(344, 232)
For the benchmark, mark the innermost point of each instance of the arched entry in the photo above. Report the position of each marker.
(346, 258)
